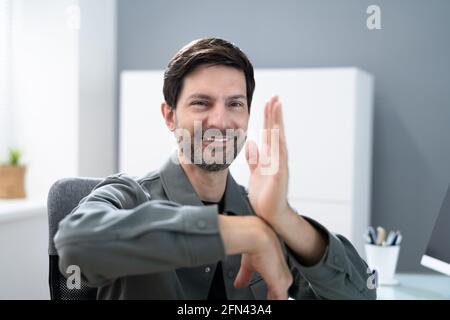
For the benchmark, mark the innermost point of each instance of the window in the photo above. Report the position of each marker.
(5, 74)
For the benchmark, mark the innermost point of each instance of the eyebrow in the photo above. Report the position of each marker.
(206, 97)
(237, 96)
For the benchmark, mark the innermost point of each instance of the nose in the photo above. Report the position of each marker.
(218, 117)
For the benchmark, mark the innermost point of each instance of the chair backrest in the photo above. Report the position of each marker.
(63, 197)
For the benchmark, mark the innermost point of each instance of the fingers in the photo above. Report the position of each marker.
(278, 124)
(268, 112)
(273, 120)
(265, 132)
(244, 275)
(266, 116)
(252, 155)
(279, 284)
(268, 124)
(279, 290)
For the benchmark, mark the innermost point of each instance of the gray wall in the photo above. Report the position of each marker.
(409, 57)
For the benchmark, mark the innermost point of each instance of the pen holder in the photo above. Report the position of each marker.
(383, 259)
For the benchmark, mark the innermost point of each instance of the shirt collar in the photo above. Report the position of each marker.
(179, 189)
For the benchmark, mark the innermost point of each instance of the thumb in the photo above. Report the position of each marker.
(252, 155)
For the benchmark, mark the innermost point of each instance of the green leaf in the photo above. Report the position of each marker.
(14, 157)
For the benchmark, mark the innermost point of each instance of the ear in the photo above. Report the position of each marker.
(169, 115)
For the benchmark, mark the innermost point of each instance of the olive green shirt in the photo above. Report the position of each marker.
(152, 238)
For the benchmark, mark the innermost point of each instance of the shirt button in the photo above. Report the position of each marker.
(207, 269)
(230, 274)
(201, 224)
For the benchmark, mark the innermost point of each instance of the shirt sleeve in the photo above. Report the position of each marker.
(118, 230)
(340, 274)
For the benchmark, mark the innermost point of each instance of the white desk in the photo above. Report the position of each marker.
(417, 287)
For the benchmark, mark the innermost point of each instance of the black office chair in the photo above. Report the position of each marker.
(63, 197)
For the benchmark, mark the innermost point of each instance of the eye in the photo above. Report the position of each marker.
(236, 104)
(201, 103)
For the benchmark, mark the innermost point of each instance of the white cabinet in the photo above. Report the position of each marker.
(328, 120)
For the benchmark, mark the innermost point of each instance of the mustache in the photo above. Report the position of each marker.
(227, 133)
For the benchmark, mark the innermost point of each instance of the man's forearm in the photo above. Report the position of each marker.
(240, 234)
(308, 243)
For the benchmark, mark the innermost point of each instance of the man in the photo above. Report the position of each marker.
(188, 230)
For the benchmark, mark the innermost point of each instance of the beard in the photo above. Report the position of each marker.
(213, 157)
(218, 159)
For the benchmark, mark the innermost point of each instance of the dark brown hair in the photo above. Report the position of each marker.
(205, 51)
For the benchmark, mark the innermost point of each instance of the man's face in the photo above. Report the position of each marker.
(212, 110)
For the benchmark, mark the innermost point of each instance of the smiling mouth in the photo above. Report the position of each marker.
(218, 139)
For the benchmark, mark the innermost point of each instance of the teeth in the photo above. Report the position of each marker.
(217, 139)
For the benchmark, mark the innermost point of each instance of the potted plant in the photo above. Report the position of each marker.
(12, 177)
